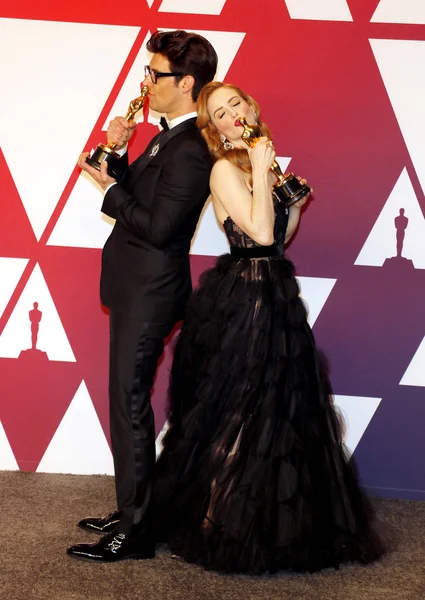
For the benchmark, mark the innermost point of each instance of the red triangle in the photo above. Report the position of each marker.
(36, 407)
(72, 276)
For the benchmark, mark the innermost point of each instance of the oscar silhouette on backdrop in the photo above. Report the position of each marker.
(398, 262)
(35, 316)
(400, 223)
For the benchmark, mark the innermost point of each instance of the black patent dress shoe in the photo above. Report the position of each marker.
(114, 547)
(101, 525)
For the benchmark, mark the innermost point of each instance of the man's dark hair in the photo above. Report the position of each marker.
(187, 53)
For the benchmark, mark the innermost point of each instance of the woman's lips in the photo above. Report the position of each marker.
(237, 123)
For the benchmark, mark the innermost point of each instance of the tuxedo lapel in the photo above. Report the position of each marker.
(141, 163)
(158, 143)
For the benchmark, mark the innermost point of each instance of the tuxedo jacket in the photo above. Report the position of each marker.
(156, 203)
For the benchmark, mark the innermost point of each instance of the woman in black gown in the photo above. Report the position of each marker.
(253, 476)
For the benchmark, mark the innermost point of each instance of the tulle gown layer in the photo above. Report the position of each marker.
(253, 476)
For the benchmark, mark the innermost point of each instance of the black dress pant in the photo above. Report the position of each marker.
(135, 348)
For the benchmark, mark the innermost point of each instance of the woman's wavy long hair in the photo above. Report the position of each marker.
(238, 156)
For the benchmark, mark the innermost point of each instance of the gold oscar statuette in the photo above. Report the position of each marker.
(106, 152)
(287, 187)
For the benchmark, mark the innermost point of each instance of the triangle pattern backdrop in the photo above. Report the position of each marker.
(344, 96)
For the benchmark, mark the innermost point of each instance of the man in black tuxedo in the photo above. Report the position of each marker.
(145, 280)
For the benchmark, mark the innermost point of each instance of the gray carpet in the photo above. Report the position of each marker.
(39, 514)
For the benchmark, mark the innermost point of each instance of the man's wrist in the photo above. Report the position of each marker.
(109, 186)
(122, 150)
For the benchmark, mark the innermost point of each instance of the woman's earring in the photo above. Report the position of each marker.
(227, 145)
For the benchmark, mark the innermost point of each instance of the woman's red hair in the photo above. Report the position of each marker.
(238, 156)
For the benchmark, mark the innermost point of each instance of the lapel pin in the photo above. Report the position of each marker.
(154, 150)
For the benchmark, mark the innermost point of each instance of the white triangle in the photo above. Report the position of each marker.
(357, 412)
(52, 338)
(79, 445)
(7, 458)
(81, 224)
(325, 10)
(415, 372)
(283, 162)
(51, 98)
(225, 43)
(381, 242)
(11, 270)
(209, 238)
(401, 63)
(314, 292)
(197, 7)
(395, 11)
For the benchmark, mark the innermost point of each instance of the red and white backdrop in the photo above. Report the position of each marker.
(342, 86)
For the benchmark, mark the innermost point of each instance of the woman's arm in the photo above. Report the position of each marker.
(295, 213)
(253, 213)
(293, 220)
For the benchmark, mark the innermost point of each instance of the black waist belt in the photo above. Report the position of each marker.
(256, 252)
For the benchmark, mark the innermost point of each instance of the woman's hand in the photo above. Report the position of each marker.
(262, 155)
(300, 203)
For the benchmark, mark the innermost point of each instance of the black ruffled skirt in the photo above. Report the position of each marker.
(253, 476)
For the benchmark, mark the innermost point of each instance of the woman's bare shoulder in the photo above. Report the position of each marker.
(224, 165)
(224, 170)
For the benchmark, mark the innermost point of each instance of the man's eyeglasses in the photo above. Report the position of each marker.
(155, 74)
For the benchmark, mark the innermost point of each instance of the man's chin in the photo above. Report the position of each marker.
(154, 106)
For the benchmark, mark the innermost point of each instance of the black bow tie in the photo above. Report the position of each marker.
(164, 124)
